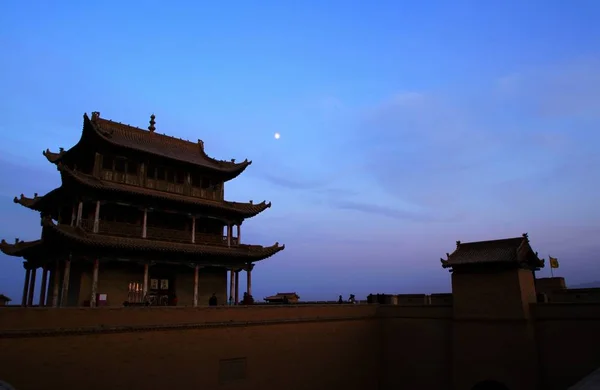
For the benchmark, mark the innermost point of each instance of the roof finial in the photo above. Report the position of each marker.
(152, 123)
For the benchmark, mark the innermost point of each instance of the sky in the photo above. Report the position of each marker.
(405, 125)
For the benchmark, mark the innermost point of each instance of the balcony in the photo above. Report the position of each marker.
(124, 229)
(160, 185)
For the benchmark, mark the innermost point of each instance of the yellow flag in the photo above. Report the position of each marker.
(553, 262)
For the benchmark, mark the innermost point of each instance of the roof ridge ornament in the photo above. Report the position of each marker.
(152, 128)
(95, 115)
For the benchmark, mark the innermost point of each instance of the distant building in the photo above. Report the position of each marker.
(140, 218)
(292, 297)
(4, 300)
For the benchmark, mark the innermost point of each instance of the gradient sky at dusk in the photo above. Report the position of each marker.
(405, 125)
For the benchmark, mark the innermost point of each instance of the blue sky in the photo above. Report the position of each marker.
(405, 125)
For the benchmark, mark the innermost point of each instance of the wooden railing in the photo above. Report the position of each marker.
(168, 234)
(135, 230)
(161, 185)
(121, 177)
(120, 229)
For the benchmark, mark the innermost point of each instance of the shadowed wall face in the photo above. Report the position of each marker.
(352, 347)
(318, 355)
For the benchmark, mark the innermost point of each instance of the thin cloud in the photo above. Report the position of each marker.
(445, 150)
(385, 211)
(293, 184)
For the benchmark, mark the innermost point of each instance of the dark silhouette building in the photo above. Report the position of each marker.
(140, 218)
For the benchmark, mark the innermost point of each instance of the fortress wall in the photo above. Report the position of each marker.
(568, 342)
(411, 299)
(416, 347)
(575, 295)
(441, 299)
(74, 317)
(337, 350)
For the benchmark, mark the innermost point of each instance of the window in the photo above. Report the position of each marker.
(107, 162)
(151, 171)
(119, 164)
(132, 167)
(160, 173)
(196, 180)
(135, 292)
(171, 176)
(205, 182)
(180, 177)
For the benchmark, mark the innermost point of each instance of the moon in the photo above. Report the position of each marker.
(277, 135)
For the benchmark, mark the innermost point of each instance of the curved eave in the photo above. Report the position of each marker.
(54, 158)
(43, 203)
(245, 253)
(228, 169)
(20, 248)
(248, 210)
(30, 203)
(241, 210)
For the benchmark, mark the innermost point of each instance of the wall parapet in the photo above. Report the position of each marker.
(28, 333)
(33, 319)
(563, 311)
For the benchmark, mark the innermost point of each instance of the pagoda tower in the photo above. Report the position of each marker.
(139, 219)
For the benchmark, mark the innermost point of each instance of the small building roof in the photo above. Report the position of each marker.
(280, 296)
(46, 203)
(149, 141)
(510, 251)
(4, 298)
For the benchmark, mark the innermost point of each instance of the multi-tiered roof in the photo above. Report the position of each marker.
(79, 168)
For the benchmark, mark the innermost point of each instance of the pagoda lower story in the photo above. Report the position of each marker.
(117, 282)
(86, 269)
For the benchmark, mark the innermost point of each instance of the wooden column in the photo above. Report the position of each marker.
(31, 287)
(79, 212)
(73, 216)
(94, 283)
(56, 282)
(249, 279)
(26, 284)
(229, 229)
(145, 283)
(144, 223)
(64, 298)
(237, 287)
(196, 271)
(239, 234)
(49, 286)
(97, 217)
(43, 287)
(231, 284)
(193, 230)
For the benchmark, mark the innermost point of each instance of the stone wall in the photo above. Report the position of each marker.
(291, 347)
(568, 342)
